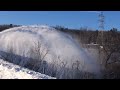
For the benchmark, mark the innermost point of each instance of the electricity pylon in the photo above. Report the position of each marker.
(101, 28)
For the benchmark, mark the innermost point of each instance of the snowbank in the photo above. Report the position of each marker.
(11, 71)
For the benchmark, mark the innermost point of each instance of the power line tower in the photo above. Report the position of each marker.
(101, 21)
(100, 39)
(101, 28)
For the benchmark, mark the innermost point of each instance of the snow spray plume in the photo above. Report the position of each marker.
(62, 48)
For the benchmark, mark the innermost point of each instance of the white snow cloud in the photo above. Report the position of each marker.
(59, 44)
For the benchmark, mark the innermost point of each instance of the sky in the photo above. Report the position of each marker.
(69, 19)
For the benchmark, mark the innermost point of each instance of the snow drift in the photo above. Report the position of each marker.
(61, 48)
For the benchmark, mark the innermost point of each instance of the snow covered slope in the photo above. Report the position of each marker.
(11, 71)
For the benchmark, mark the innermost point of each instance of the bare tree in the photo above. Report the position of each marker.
(39, 53)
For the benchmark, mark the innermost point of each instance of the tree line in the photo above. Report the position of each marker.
(7, 26)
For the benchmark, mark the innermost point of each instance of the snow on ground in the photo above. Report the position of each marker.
(11, 71)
